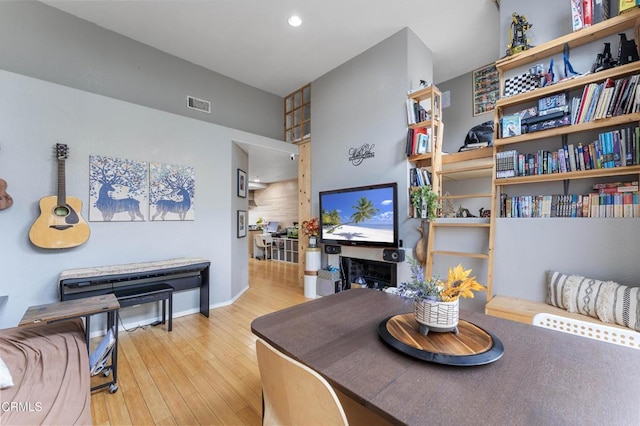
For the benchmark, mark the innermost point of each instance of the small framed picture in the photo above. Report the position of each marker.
(242, 223)
(242, 183)
(486, 89)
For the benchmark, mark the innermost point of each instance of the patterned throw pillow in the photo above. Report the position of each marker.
(606, 300)
(556, 284)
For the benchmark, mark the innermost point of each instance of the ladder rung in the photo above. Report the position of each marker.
(455, 197)
(465, 169)
(462, 254)
(462, 225)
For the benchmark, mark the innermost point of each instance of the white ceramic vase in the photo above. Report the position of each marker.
(437, 316)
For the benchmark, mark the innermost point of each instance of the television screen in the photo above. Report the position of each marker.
(365, 215)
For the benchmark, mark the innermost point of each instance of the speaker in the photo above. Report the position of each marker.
(329, 249)
(393, 255)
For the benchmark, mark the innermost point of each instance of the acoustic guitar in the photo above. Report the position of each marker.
(60, 224)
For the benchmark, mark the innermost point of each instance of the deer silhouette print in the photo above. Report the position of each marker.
(170, 206)
(172, 190)
(117, 186)
(109, 206)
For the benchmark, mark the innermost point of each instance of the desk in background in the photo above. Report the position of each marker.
(544, 376)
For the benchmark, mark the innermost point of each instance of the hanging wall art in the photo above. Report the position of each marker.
(171, 192)
(118, 189)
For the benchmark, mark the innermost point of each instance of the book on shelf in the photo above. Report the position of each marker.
(616, 148)
(419, 177)
(587, 13)
(616, 187)
(419, 141)
(418, 112)
(472, 146)
(506, 163)
(600, 10)
(609, 98)
(594, 205)
(577, 17)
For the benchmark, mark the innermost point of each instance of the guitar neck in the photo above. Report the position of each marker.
(62, 197)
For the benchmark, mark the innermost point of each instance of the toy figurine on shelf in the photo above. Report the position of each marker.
(568, 69)
(627, 50)
(604, 60)
(519, 41)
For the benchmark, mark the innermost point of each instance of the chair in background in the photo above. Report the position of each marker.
(618, 336)
(264, 243)
(293, 393)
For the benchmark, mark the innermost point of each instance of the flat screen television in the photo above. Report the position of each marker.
(363, 215)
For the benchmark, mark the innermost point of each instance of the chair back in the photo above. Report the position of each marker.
(293, 393)
(259, 241)
(618, 336)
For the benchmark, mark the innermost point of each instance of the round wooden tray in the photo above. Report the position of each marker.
(471, 346)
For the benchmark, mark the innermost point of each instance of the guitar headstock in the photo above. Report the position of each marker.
(62, 151)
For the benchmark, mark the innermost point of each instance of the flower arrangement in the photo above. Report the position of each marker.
(311, 227)
(458, 284)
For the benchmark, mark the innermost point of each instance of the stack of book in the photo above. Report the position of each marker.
(603, 205)
(419, 141)
(617, 148)
(607, 99)
(418, 112)
(419, 177)
(585, 13)
(506, 164)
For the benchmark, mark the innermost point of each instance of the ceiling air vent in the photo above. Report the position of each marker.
(199, 104)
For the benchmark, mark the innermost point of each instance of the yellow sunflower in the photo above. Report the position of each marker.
(460, 284)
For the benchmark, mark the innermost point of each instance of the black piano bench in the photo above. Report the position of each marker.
(147, 294)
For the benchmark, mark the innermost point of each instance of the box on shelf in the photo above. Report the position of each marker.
(549, 124)
(627, 5)
(520, 84)
(510, 125)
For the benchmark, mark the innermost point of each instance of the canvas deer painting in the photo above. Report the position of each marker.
(118, 189)
(171, 192)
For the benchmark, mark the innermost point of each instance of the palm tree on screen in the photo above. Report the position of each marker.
(364, 210)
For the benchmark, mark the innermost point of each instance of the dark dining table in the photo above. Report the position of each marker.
(544, 377)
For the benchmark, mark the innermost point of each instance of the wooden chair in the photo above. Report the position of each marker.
(293, 393)
(618, 336)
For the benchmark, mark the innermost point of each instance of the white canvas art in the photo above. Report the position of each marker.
(118, 189)
(171, 192)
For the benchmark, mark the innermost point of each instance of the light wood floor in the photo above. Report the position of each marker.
(205, 370)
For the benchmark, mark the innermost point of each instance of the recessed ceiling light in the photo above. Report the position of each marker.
(294, 21)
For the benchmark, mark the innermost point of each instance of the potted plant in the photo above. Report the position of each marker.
(311, 228)
(425, 202)
(259, 223)
(436, 302)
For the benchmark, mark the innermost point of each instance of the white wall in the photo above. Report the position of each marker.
(36, 115)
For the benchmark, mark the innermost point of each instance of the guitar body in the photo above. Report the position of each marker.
(60, 224)
(59, 227)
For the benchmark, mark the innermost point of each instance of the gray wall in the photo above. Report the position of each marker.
(363, 102)
(69, 81)
(46, 43)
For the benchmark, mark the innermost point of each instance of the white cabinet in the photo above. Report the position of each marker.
(285, 249)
